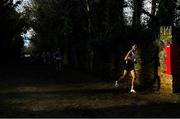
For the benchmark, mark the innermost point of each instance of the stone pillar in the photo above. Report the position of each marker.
(166, 78)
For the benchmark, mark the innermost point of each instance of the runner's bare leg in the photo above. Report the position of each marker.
(133, 74)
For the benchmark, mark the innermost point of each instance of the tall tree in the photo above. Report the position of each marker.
(10, 31)
(138, 4)
(166, 12)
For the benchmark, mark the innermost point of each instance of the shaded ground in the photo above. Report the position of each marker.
(39, 91)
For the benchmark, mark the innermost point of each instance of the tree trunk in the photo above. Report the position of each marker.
(153, 7)
(166, 12)
(137, 13)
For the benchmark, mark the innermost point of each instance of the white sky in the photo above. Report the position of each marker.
(20, 7)
(30, 32)
(129, 11)
(27, 36)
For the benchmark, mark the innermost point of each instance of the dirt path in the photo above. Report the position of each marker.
(39, 91)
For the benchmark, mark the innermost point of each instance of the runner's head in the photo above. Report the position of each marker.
(134, 47)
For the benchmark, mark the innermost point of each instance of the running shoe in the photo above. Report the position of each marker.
(116, 84)
(132, 91)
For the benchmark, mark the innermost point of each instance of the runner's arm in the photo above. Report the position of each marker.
(127, 55)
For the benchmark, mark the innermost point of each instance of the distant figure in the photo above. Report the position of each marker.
(130, 60)
(43, 56)
(58, 59)
(48, 57)
(90, 59)
(32, 56)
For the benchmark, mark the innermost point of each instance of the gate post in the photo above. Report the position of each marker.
(165, 56)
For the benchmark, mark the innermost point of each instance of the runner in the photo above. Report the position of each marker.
(130, 60)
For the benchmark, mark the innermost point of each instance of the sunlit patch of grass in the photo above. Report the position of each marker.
(83, 102)
(79, 96)
(47, 102)
(54, 87)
